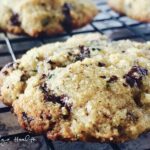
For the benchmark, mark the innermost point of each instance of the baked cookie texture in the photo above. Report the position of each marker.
(136, 9)
(44, 17)
(87, 89)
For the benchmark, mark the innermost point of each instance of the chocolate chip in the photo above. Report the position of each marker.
(8, 66)
(54, 64)
(94, 49)
(43, 76)
(100, 64)
(68, 115)
(135, 75)
(137, 99)
(112, 79)
(121, 130)
(125, 85)
(15, 20)
(70, 54)
(60, 100)
(26, 118)
(84, 53)
(5, 72)
(43, 87)
(132, 117)
(24, 78)
(45, 21)
(51, 97)
(104, 77)
(67, 22)
(57, 99)
(44, 116)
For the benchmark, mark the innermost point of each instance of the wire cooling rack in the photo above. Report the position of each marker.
(108, 22)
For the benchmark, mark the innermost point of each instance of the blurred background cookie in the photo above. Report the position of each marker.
(45, 17)
(136, 9)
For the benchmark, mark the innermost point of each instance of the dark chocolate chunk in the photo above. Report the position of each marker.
(43, 76)
(8, 66)
(43, 87)
(137, 99)
(15, 20)
(135, 75)
(121, 130)
(132, 117)
(35, 71)
(96, 49)
(100, 64)
(26, 118)
(67, 22)
(24, 78)
(54, 64)
(62, 100)
(125, 85)
(5, 72)
(44, 116)
(45, 21)
(84, 53)
(49, 96)
(104, 77)
(112, 79)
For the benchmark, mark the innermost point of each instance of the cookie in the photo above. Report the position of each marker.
(117, 5)
(46, 17)
(96, 99)
(132, 8)
(41, 60)
(87, 89)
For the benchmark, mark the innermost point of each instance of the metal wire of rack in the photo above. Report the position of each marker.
(107, 22)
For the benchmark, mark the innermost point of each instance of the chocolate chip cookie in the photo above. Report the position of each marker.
(87, 89)
(46, 17)
(136, 9)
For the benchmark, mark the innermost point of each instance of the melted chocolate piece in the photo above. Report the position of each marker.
(67, 22)
(26, 118)
(84, 53)
(15, 20)
(121, 130)
(104, 77)
(45, 21)
(94, 49)
(137, 99)
(24, 78)
(135, 75)
(100, 64)
(49, 96)
(43, 76)
(112, 79)
(60, 100)
(125, 85)
(9, 65)
(132, 117)
(5, 72)
(56, 99)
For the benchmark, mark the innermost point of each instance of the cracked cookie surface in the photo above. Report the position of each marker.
(44, 17)
(87, 89)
